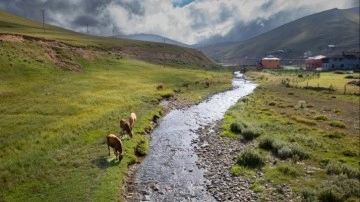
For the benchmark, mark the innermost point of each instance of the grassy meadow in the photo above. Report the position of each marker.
(54, 119)
(305, 139)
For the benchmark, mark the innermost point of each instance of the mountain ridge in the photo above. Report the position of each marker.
(310, 33)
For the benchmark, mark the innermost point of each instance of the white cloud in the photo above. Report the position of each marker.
(202, 19)
(194, 22)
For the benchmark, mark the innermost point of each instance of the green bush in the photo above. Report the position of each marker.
(141, 148)
(251, 133)
(339, 188)
(308, 195)
(338, 124)
(321, 117)
(238, 126)
(335, 135)
(250, 158)
(266, 143)
(285, 152)
(272, 103)
(331, 193)
(304, 120)
(297, 150)
(290, 171)
(335, 168)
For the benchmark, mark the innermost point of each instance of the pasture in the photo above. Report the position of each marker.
(54, 122)
(309, 140)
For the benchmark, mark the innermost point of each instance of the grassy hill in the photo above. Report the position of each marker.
(314, 33)
(62, 92)
(160, 53)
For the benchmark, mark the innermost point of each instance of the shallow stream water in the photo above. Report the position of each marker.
(170, 172)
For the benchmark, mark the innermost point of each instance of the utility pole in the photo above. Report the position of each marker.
(87, 28)
(164, 50)
(43, 18)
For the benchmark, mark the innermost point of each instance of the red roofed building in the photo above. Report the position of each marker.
(270, 62)
(314, 62)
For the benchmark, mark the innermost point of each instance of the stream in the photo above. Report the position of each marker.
(170, 172)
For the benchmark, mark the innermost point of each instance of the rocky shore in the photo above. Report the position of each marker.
(217, 155)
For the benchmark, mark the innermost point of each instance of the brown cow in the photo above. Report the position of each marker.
(125, 126)
(114, 142)
(132, 120)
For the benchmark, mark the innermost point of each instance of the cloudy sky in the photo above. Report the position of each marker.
(187, 21)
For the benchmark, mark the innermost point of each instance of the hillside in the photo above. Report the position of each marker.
(314, 33)
(152, 38)
(158, 53)
(62, 93)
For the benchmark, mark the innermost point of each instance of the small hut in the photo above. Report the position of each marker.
(270, 62)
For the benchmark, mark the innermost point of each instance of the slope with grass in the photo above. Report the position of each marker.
(309, 139)
(61, 93)
(159, 53)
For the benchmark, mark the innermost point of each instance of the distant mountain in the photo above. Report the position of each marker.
(152, 38)
(311, 33)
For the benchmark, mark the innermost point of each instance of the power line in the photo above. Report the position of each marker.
(43, 18)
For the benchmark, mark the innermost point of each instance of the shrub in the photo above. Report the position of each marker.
(250, 133)
(335, 134)
(350, 171)
(304, 120)
(250, 158)
(339, 188)
(334, 168)
(238, 126)
(321, 117)
(338, 124)
(284, 152)
(290, 171)
(308, 195)
(331, 194)
(266, 143)
(349, 153)
(299, 151)
(272, 103)
(141, 148)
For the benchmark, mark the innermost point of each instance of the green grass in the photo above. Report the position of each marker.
(299, 142)
(336, 81)
(53, 122)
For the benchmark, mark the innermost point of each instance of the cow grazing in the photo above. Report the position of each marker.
(114, 142)
(125, 126)
(132, 120)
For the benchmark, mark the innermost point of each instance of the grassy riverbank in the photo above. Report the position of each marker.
(62, 92)
(307, 139)
(54, 122)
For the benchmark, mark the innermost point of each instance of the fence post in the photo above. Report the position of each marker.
(344, 89)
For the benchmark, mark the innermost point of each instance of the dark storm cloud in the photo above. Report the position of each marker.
(85, 20)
